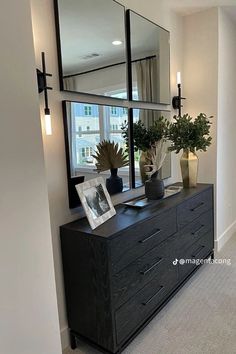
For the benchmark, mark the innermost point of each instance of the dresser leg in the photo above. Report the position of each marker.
(213, 256)
(72, 341)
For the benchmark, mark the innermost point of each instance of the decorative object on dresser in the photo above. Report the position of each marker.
(147, 137)
(154, 187)
(96, 201)
(110, 157)
(190, 136)
(119, 276)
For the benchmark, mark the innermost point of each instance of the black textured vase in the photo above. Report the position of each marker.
(114, 183)
(154, 187)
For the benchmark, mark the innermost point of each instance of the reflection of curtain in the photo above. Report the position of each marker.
(72, 137)
(147, 79)
(70, 83)
(147, 87)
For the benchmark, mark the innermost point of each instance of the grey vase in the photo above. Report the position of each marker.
(154, 187)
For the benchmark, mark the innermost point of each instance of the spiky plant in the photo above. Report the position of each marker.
(156, 155)
(109, 156)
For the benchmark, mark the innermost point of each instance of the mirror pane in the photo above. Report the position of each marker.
(92, 41)
(86, 126)
(148, 117)
(150, 61)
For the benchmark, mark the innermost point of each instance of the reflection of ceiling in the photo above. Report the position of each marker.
(88, 28)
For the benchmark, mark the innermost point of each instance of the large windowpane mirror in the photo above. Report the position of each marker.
(150, 61)
(148, 117)
(86, 125)
(91, 42)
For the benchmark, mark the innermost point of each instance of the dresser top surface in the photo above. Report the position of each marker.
(126, 216)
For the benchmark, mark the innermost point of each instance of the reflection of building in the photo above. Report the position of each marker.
(92, 124)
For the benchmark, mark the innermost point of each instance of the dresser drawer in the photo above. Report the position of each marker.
(135, 311)
(131, 279)
(141, 238)
(194, 207)
(199, 250)
(193, 232)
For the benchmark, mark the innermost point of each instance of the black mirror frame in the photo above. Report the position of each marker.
(129, 58)
(59, 55)
(72, 181)
(74, 200)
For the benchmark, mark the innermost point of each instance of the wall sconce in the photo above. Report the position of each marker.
(42, 87)
(176, 101)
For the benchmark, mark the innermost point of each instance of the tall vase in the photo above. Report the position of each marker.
(142, 162)
(154, 187)
(114, 183)
(189, 168)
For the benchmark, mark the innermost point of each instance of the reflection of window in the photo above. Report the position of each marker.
(87, 110)
(91, 125)
(114, 127)
(114, 111)
(86, 152)
(79, 130)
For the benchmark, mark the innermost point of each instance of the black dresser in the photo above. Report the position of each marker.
(118, 276)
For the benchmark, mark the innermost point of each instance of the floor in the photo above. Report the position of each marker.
(200, 319)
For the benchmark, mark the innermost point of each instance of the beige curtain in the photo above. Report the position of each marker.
(70, 83)
(147, 87)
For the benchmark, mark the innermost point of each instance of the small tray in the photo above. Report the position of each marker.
(142, 202)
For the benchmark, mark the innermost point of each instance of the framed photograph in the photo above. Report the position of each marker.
(96, 201)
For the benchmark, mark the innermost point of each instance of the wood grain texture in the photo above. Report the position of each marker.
(128, 217)
(139, 307)
(87, 287)
(142, 238)
(192, 232)
(193, 207)
(119, 275)
(197, 251)
(132, 278)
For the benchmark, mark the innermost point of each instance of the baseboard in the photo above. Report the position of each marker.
(227, 234)
(65, 342)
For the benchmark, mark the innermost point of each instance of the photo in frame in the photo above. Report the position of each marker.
(96, 201)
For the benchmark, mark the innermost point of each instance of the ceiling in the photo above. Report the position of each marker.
(187, 7)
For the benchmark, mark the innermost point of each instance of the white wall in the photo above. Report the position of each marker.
(200, 81)
(226, 142)
(200, 84)
(209, 85)
(28, 307)
(45, 40)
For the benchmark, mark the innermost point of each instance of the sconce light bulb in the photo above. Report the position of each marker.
(117, 42)
(48, 123)
(178, 78)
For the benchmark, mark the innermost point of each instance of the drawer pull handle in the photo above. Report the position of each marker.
(144, 272)
(151, 236)
(198, 250)
(153, 297)
(198, 206)
(197, 231)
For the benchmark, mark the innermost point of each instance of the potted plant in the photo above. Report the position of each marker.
(145, 139)
(110, 157)
(191, 136)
